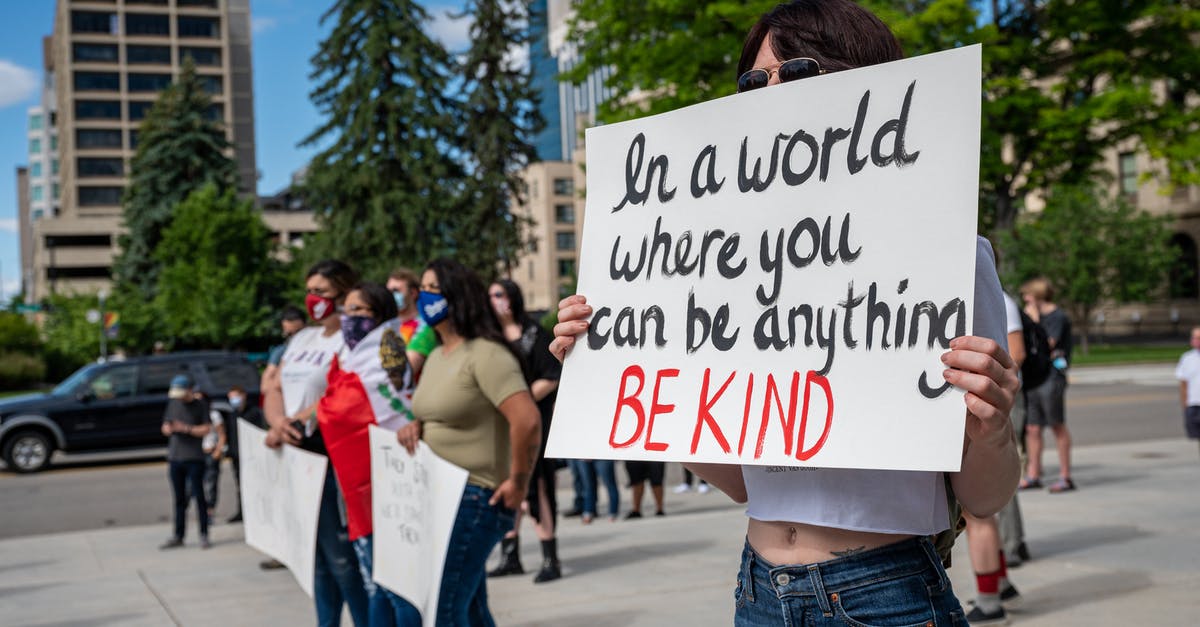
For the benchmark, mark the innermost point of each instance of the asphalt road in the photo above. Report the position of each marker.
(111, 490)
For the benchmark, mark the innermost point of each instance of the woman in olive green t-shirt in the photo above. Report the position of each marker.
(473, 409)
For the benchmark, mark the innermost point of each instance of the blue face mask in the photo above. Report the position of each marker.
(236, 402)
(432, 307)
(398, 296)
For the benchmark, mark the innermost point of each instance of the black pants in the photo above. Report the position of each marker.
(187, 475)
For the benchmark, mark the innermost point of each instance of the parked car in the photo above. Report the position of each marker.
(112, 405)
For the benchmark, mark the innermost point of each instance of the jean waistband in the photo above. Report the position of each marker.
(907, 557)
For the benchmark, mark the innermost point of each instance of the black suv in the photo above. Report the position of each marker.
(113, 405)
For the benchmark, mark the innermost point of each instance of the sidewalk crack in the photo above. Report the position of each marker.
(162, 602)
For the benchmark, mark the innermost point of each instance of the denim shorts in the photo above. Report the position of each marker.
(898, 585)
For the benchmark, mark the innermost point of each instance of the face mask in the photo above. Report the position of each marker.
(236, 402)
(432, 307)
(400, 300)
(319, 307)
(355, 328)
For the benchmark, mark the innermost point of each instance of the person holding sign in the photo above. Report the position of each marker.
(474, 410)
(290, 406)
(848, 546)
(369, 382)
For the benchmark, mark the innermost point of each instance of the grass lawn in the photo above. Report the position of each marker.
(1105, 354)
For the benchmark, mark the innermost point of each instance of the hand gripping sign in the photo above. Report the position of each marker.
(775, 274)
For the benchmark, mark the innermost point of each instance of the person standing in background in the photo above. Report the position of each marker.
(1046, 402)
(1188, 374)
(252, 414)
(185, 423)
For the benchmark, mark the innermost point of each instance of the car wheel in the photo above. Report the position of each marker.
(28, 451)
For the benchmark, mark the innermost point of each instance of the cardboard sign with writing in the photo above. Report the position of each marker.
(281, 500)
(775, 274)
(415, 500)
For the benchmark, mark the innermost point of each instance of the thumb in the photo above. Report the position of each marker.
(495, 498)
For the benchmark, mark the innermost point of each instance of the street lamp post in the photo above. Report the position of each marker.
(103, 332)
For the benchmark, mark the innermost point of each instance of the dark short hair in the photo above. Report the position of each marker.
(292, 313)
(340, 274)
(838, 34)
(383, 305)
(237, 389)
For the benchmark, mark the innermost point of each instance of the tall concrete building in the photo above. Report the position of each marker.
(104, 65)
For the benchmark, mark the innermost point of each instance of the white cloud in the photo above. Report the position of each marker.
(8, 225)
(17, 84)
(261, 25)
(9, 288)
(455, 34)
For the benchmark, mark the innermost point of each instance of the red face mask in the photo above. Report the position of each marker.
(319, 307)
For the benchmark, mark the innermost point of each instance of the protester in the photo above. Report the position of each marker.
(242, 410)
(185, 423)
(418, 336)
(290, 406)
(686, 485)
(1046, 402)
(474, 410)
(532, 343)
(291, 321)
(855, 543)
(640, 473)
(368, 374)
(1188, 373)
(1009, 520)
(604, 470)
(213, 445)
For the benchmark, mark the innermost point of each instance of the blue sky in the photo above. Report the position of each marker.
(286, 34)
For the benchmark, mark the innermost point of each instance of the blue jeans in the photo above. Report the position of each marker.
(577, 471)
(187, 482)
(898, 584)
(477, 529)
(336, 578)
(604, 469)
(386, 608)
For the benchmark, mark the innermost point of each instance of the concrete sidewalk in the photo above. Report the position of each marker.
(1122, 550)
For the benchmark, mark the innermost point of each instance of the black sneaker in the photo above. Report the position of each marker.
(1009, 596)
(236, 518)
(979, 617)
(271, 564)
(633, 514)
(173, 543)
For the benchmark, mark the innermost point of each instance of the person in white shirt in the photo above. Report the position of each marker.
(1188, 373)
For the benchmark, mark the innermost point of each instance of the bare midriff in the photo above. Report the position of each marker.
(797, 543)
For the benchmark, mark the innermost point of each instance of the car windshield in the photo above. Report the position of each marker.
(66, 388)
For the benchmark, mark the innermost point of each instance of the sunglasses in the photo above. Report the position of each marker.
(790, 70)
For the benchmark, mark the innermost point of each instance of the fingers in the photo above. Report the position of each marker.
(575, 312)
(996, 394)
(983, 345)
(573, 299)
(495, 498)
(560, 346)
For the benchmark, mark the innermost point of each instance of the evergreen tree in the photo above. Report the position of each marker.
(386, 184)
(501, 120)
(180, 149)
(219, 280)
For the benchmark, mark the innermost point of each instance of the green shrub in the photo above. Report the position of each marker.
(19, 371)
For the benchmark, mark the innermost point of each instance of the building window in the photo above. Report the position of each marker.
(97, 81)
(37, 214)
(93, 22)
(54, 167)
(53, 143)
(79, 241)
(99, 196)
(147, 82)
(35, 146)
(564, 214)
(133, 139)
(147, 24)
(216, 112)
(1127, 171)
(104, 166)
(55, 191)
(1184, 281)
(138, 109)
(564, 187)
(212, 84)
(564, 240)
(566, 268)
(135, 55)
(206, 27)
(202, 56)
(98, 109)
(35, 170)
(161, 3)
(97, 138)
(212, 4)
(35, 122)
(36, 194)
(95, 53)
(87, 272)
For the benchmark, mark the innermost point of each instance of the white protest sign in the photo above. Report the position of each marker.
(775, 274)
(281, 500)
(414, 501)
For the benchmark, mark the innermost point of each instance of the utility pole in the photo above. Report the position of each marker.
(103, 332)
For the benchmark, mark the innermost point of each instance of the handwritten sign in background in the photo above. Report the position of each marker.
(414, 503)
(281, 499)
(757, 235)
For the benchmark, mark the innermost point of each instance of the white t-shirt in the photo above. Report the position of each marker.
(210, 439)
(1012, 315)
(883, 501)
(1189, 370)
(305, 365)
